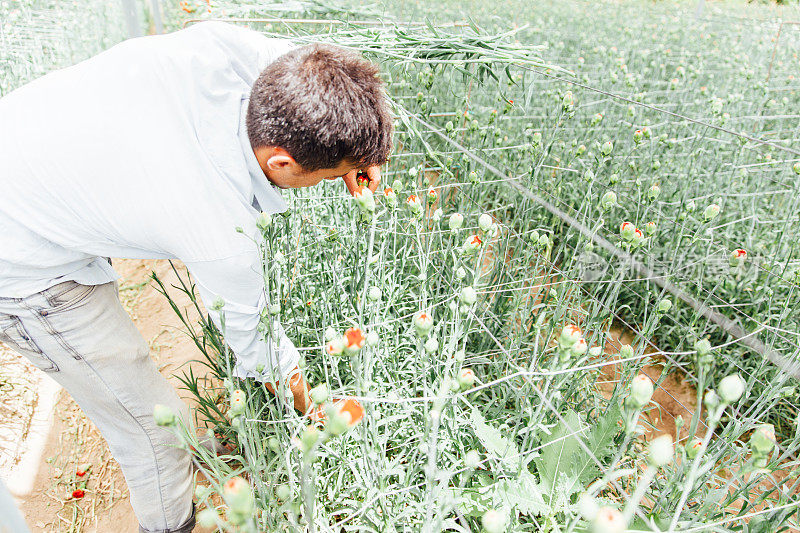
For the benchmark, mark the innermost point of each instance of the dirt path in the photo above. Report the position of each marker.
(73, 441)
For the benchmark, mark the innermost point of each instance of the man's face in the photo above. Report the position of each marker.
(284, 172)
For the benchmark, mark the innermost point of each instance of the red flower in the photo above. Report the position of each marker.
(739, 253)
(80, 473)
(78, 494)
(475, 240)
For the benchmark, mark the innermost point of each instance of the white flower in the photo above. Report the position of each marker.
(472, 459)
(374, 294)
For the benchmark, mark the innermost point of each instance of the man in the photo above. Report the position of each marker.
(159, 148)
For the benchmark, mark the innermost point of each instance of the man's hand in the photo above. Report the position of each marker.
(299, 388)
(373, 174)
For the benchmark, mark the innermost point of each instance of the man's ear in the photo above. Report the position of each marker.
(280, 160)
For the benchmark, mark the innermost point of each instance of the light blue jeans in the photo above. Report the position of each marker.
(83, 338)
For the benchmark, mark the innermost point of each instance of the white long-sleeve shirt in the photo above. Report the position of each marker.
(142, 152)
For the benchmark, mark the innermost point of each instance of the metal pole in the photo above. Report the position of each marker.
(131, 14)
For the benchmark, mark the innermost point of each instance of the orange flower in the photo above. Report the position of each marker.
(80, 473)
(354, 339)
(351, 410)
(78, 493)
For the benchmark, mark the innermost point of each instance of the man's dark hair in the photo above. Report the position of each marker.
(324, 105)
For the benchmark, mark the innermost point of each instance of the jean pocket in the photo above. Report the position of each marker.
(14, 334)
(66, 295)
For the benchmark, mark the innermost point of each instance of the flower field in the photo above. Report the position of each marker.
(587, 204)
(548, 190)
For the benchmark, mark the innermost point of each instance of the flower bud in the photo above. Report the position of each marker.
(608, 200)
(641, 391)
(471, 245)
(570, 335)
(283, 492)
(423, 323)
(390, 195)
(536, 139)
(607, 148)
(239, 498)
(274, 444)
(374, 294)
(459, 356)
(330, 333)
(456, 221)
(626, 351)
(588, 176)
(431, 345)
(693, 447)
(737, 257)
(494, 521)
(568, 101)
(414, 205)
(372, 338)
(703, 347)
(660, 451)
(466, 378)
(163, 415)
(627, 231)
(336, 346)
(731, 388)
(263, 221)
(365, 199)
(461, 273)
(638, 136)
(207, 518)
(650, 228)
(579, 348)
(763, 441)
(472, 459)
(468, 295)
(664, 305)
(711, 212)
(485, 222)
(608, 520)
(796, 167)
(218, 304)
(319, 394)
(437, 214)
(431, 195)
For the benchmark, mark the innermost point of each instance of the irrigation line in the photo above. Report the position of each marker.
(662, 110)
(723, 322)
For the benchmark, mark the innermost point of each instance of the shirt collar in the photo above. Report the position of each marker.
(267, 196)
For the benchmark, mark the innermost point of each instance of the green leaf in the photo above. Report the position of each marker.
(523, 494)
(495, 443)
(561, 452)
